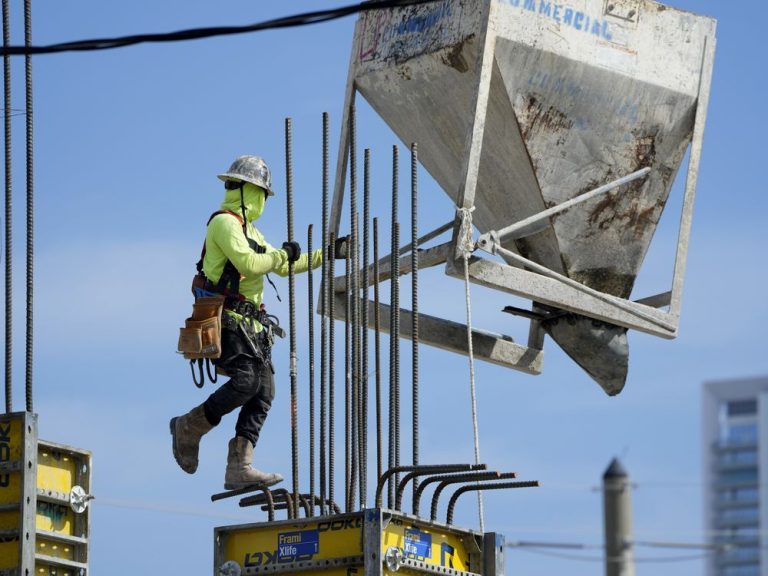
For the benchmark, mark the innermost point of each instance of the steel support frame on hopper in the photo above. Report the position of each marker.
(452, 336)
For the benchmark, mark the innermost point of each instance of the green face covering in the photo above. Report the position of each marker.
(254, 198)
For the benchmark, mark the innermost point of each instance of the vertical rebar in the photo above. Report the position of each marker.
(311, 327)
(352, 291)
(415, 305)
(364, 324)
(396, 364)
(331, 364)
(8, 215)
(324, 319)
(394, 329)
(30, 202)
(377, 345)
(292, 316)
(348, 428)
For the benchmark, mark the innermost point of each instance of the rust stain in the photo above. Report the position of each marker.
(454, 56)
(536, 118)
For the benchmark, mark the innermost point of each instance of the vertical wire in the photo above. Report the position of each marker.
(8, 216)
(377, 345)
(311, 326)
(415, 305)
(292, 317)
(30, 203)
(364, 323)
(324, 320)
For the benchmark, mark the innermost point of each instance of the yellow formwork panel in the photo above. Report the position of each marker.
(11, 487)
(59, 469)
(43, 569)
(421, 541)
(280, 543)
(337, 545)
(54, 549)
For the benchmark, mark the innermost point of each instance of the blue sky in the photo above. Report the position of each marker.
(128, 143)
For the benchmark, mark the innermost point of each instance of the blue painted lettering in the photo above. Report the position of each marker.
(559, 12)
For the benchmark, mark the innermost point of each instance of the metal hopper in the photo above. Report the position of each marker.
(521, 105)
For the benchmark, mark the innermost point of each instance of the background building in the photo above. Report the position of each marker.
(735, 417)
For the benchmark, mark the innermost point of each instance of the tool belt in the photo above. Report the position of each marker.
(200, 338)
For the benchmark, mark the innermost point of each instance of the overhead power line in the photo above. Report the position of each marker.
(296, 20)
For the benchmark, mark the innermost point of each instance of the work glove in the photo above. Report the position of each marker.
(341, 247)
(293, 250)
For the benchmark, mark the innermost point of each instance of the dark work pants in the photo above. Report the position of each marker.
(251, 387)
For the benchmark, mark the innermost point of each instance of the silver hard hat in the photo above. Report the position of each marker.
(250, 169)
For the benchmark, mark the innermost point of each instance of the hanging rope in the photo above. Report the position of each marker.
(465, 246)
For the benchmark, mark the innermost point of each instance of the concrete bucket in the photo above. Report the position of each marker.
(521, 105)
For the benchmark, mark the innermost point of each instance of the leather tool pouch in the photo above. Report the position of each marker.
(201, 335)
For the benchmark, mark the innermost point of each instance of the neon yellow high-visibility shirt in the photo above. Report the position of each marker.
(224, 240)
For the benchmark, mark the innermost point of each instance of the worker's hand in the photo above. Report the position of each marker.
(341, 247)
(293, 250)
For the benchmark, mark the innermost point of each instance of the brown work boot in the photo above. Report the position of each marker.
(239, 471)
(187, 431)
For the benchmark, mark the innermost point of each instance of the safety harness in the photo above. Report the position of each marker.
(228, 286)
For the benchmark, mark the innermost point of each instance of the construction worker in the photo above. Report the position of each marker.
(235, 260)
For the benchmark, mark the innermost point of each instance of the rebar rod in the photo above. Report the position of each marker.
(8, 214)
(386, 477)
(331, 365)
(377, 345)
(364, 325)
(347, 393)
(396, 366)
(415, 306)
(482, 487)
(311, 354)
(355, 348)
(468, 478)
(292, 503)
(394, 349)
(353, 290)
(421, 470)
(292, 316)
(266, 496)
(324, 319)
(30, 205)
